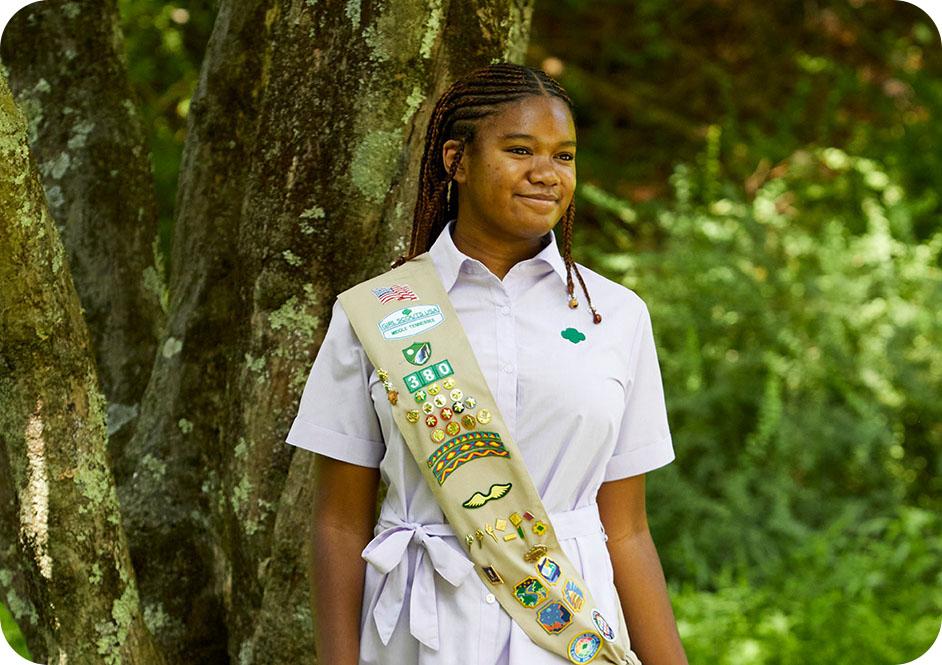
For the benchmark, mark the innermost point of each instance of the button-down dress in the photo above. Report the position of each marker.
(585, 404)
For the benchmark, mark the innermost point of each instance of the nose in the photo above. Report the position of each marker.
(543, 171)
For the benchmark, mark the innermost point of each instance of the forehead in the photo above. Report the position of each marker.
(545, 118)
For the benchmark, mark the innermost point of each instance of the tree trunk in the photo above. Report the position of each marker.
(72, 550)
(298, 180)
(68, 73)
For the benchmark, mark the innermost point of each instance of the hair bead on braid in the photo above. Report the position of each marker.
(481, 93)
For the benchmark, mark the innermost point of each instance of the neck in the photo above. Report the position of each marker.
(499, 254)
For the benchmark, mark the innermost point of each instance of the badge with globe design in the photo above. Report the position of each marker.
(418, 353)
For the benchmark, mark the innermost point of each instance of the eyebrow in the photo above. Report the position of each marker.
(531, 138)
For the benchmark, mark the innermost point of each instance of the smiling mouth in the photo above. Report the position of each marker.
(539, 199)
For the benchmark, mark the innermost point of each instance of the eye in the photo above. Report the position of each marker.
(567, 156)
(523, 151)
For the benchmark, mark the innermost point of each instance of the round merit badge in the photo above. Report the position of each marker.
(604, 628)
(584, 647)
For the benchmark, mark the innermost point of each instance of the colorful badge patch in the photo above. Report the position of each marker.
(530, 592)
(496, 492)
(573, 595)
(424, 377)
(395, 292)
(604, 628)
(418, 353)
(548, 570)
(584, 647)
(554, 617)
(454, 453)
(411, 321)
(572, 335)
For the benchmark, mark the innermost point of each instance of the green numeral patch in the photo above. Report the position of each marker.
(428, 375)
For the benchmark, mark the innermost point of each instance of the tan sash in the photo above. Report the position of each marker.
(450, 421)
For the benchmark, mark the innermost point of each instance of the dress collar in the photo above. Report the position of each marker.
(448, 259)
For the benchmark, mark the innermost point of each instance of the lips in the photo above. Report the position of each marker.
(540, 197)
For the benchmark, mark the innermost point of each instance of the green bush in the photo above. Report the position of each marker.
(800, 342)
(866, 592)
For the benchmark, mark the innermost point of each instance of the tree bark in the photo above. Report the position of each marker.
(72, 549)
(68, 73)
(297, 180)
(327, 203)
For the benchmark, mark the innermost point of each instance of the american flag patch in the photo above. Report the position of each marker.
(395, 292)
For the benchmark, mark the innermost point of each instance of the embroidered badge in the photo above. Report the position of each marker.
(530, 592)
(496, 491)
(492, 575)
(470, 402)
(454, 453)
(411, 321)
(430, 374)
(456, 394)
(439, 401)
(604, 628)
(484, 416)
(554, 617)
(468, 421)
(584, 647)
(412, 415)
(548, 570)
(418, 353)
(448, 384)
(433, 389)
(573, 595)
(452, 428)
(572, 335)
(395, 292)
(447, 413)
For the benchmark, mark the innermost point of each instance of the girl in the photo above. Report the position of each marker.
(583, 400)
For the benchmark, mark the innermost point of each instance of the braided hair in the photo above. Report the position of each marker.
(479, 94)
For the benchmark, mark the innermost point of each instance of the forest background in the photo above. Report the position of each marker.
(767, 177)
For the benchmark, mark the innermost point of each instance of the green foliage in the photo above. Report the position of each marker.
(866, 592)
(11, 632)
(801, 346)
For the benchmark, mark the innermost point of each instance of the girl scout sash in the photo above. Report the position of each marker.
(450, 421)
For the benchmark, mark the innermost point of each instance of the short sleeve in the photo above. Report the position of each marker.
(336, 416)
(644, 439)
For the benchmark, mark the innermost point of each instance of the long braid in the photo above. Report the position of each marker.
(455, 116)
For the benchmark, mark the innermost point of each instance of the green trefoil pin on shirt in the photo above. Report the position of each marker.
(572, 335)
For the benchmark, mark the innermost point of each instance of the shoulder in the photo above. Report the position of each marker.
(609, 297)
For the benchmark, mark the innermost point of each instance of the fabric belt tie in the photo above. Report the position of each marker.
(388, 553)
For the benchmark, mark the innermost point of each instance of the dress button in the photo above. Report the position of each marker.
(490, 598)
(505, 310)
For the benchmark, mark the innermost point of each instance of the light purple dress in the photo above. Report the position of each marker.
(583, 412)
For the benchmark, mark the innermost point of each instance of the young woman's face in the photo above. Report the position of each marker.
(518, 176)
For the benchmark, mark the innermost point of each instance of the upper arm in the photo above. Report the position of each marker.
(336, 416)
(622, 508)
(644, 439)
(344, 495)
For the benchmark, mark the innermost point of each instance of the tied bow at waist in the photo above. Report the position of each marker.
(388, 553)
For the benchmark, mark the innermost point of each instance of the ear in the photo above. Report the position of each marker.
(449, 151)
